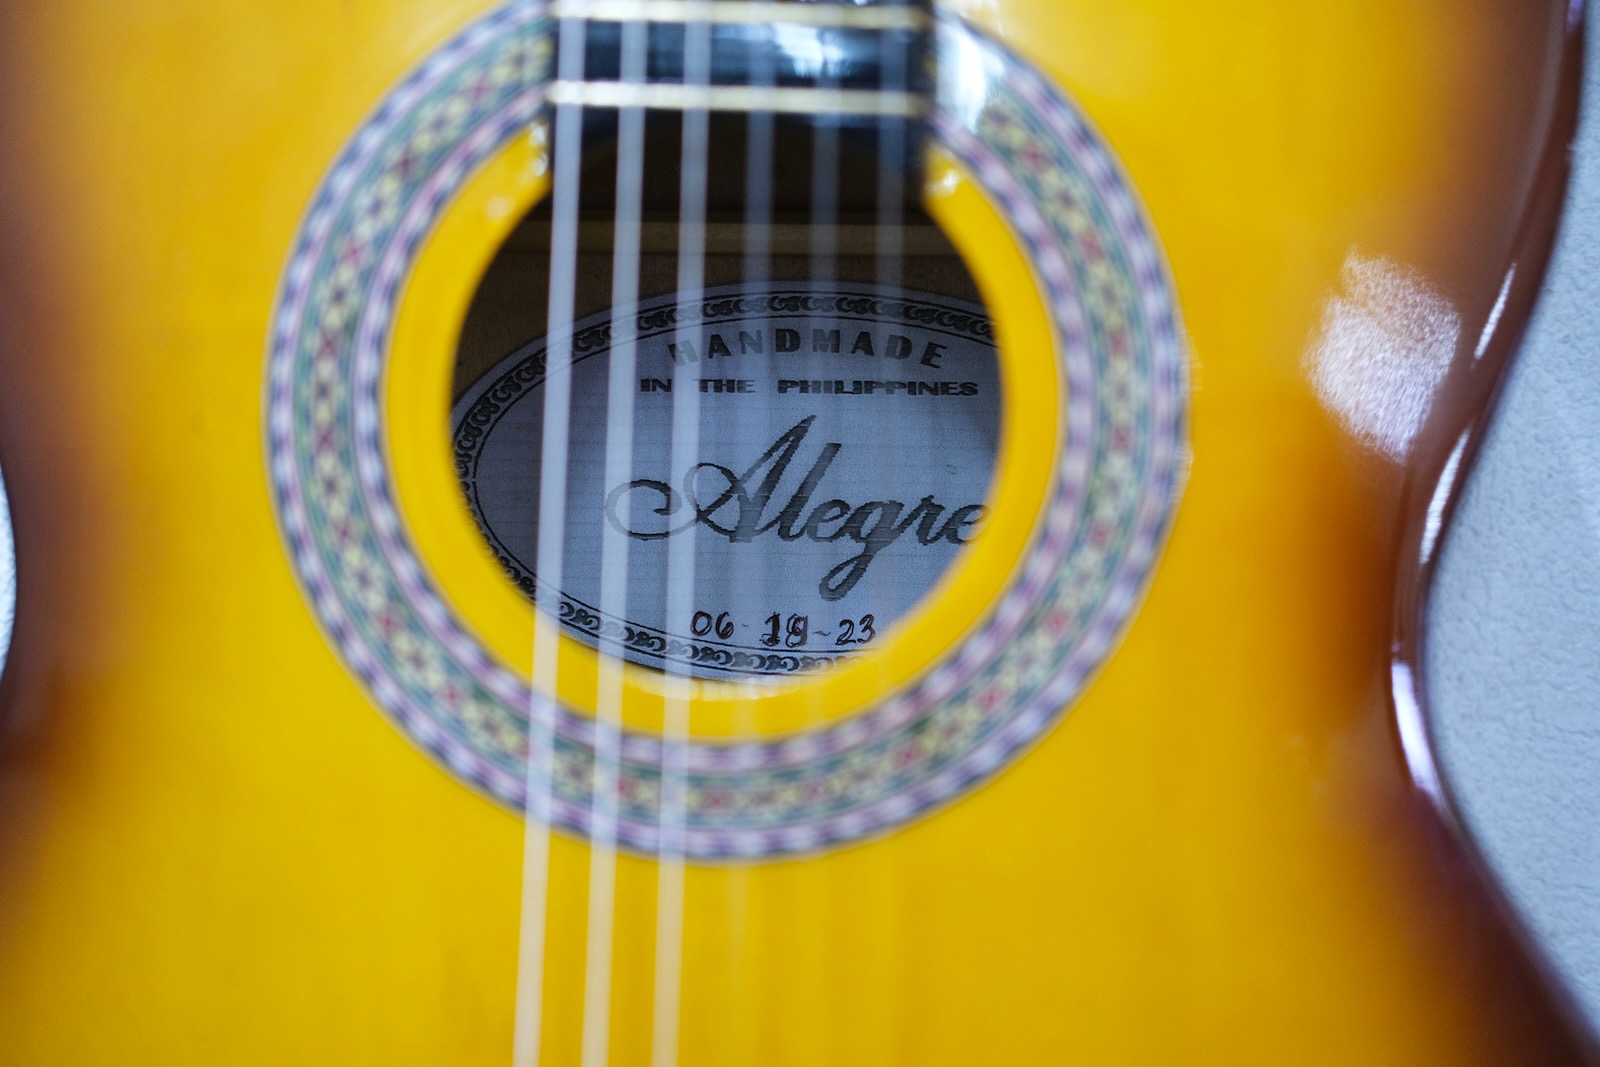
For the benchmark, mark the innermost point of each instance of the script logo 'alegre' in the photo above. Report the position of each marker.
(730, 507)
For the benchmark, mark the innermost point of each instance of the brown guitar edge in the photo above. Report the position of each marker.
(32, 295)
(1462, 415)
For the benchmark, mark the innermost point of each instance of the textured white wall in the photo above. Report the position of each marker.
(1514, 651)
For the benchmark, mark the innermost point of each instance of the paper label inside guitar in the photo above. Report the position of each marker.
(847, 438)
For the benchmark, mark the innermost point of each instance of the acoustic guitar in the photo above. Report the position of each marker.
(712, 531)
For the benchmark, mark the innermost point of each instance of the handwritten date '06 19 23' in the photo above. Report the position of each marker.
(792, 631)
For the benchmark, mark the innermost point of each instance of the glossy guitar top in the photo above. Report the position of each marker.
(223, 839)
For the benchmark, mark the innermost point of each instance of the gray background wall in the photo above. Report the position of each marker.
(1513, 659)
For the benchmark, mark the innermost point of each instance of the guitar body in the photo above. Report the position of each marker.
(219, 842)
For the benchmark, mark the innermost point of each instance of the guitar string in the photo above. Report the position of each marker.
(567, 150)
(621, 366)
(895, 165)
(894, 146)
(755, 274)
(822, 273)
(683, 455)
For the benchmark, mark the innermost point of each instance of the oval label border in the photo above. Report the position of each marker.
(481, 411)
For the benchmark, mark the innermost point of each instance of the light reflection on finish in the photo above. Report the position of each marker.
(8, 576)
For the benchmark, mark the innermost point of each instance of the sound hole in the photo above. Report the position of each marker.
(846, 391)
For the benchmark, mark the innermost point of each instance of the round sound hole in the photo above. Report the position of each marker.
(844, 402)
(1114, 473)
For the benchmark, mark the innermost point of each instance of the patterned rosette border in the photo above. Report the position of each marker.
(1118, 470)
